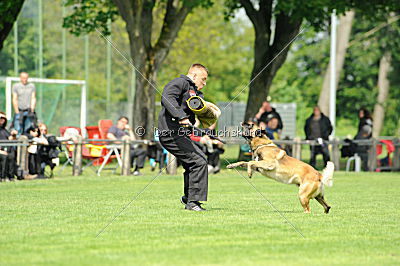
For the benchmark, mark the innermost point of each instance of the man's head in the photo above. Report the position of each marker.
(317, 111)
(3, 120)
(24, 77)
(266, 106)
(198, 74)
(122, 122)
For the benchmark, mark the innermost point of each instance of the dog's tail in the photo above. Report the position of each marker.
(327, 174)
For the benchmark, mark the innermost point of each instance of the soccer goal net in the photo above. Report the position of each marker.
(59, 102)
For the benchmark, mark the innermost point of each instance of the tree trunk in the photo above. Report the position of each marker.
(144, 102)
(267, 58)
(147, 58)
(344, 32)
(9, 10)
(383, 87)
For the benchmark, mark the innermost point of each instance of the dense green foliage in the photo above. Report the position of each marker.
(9, 10)
(227, 49)
(56, 222)
(300, 79)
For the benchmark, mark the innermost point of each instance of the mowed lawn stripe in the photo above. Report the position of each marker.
(56, 221)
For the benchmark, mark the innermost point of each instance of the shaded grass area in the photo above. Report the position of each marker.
(56, 222)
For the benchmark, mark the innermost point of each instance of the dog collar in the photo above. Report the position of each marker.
(264, 145)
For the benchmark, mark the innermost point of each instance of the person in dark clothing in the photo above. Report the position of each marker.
(119, 132)
(318, 127)
(8, 164)
(364, 124)
(265, 113)
(174, 123)
(34, 159)
(364, 132)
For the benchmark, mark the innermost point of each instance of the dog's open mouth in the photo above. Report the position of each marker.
(250, 130)
(246, 130)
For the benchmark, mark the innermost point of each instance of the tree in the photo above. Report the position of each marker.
(277, 24)
(225, 48)
(343, 36)
(9, 10)
(148, 50)
(383, 86)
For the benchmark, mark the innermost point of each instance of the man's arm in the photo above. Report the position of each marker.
(171, 93)
(15, 102)
(111, 136)
(33, 101)
(260, 112)
(131, 134)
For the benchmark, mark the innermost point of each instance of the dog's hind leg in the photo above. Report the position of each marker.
(306, 191)
(321, 200)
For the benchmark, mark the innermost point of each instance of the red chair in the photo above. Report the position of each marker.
(108, 154)
(385, 163)
(89, 151)
(104, 126)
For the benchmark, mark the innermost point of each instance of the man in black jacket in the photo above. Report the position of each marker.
(318, 127)
(265, 113)
(174, 123)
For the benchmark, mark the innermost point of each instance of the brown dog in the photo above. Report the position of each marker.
(273, 162)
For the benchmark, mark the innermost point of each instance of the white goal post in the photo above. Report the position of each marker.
(9, 81)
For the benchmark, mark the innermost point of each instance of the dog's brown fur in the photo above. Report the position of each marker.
(273, 162)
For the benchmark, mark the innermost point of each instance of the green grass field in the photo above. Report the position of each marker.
(56, 222)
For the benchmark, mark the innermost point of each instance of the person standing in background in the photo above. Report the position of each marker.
(24, 103)
(318, 127)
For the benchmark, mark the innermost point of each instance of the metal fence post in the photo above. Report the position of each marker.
(77, 157)
(22, 155)
(172, 164)
(126, 164)
(296, 148)
(396, 154)
(336, 154)
(372, 155)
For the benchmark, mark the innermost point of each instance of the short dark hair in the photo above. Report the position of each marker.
(198, 65)
(367, 114)
(123, 117)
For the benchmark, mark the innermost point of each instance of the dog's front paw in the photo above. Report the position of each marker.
(250, 174)
(234, 165)
(231, 166)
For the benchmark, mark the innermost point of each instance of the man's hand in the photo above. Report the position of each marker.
(185, 121)
(127, 127)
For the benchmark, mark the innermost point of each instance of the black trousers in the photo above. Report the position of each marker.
(140, 155)
(34, 164)
(8, 165)
(317, 149)
(194, 162)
